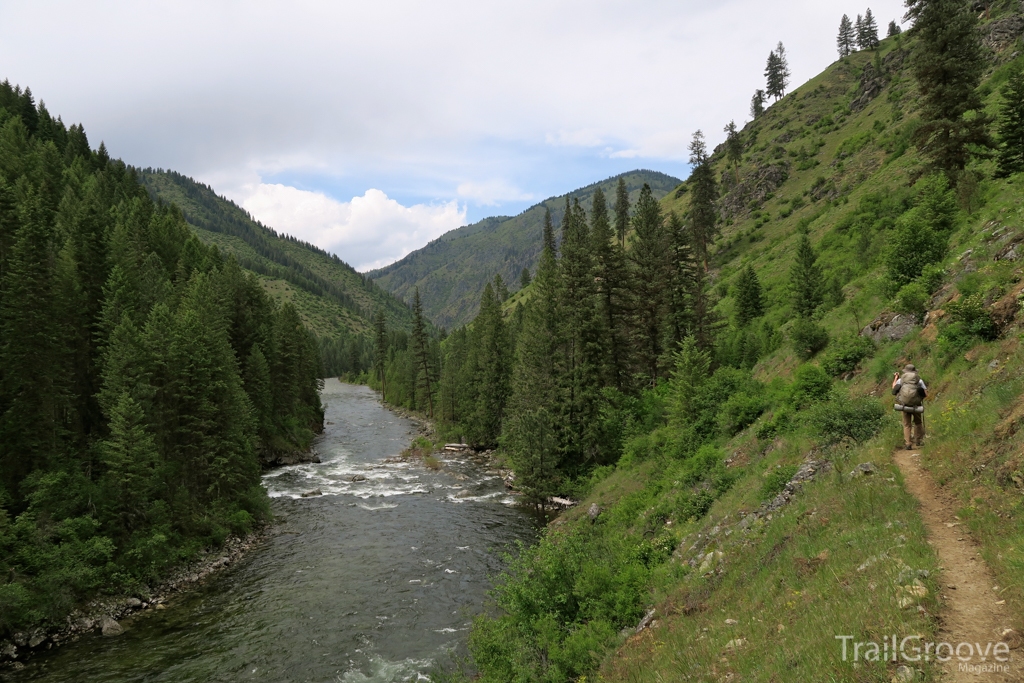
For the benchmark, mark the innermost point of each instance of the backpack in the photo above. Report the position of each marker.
(910, 393)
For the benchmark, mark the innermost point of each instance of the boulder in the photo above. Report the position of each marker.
(593, 511)
(889, 327)
(37, 638)
(134, 603)
(903, 674)
(8, 650)
(313, 493)
(358, 477)
(111, 628)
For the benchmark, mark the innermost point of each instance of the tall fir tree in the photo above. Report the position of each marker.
(894, 29)
(757, 104)
(380, 351)
(621, 210)
(846, 40)
(612, 292)
(492, 370)
(1011, 126)
(649, 260)
(548, 241)
(530, 431)
(867, 32)
(749, 297)
(948, 64)
(806, 281)
(424, 370)
(703, 199)
(733, 144)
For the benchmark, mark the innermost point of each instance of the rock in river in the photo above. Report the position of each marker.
(110, 627)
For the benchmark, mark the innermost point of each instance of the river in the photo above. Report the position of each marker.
(376, 580)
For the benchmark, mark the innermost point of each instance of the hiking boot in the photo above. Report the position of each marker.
(909, 447)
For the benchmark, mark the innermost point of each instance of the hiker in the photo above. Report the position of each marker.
(910, 391)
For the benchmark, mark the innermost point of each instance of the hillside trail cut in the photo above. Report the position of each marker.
(972, 611)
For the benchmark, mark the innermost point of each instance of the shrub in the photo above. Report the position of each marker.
(775, 480)
(807, 338)
(839, 419)
(845, 354)
(777, 424)
(970, 312)
(811, 385)
(912, 299)
(739, 411)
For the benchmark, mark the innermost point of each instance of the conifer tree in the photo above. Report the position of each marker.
(894, 29)
(846, 40)
(757, 104)
(500, 289)
(649, 258)
(492, 370)
(948, 64)
(380, 351)
(777, 72)
(683, 269)
(549, 232)
(1011, 126)
(867, 31)
(611, 291)
(703, 211)
(733, 144)
(421, 353)
(806, 280)
(621, 212)
(129, 458)
(749, 297)
(524, 278)
(530, 432)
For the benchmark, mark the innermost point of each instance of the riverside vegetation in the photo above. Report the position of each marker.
(143, 375)
(672, 363)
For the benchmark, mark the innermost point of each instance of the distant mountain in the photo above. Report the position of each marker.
(452, 270)
(333, 299)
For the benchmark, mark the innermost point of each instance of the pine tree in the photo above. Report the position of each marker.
(703, 211)
(621, 210)
(894, 29)
(530, 432)
(611, 286)
(757, 104)
(500, 289)
(649, 257)
(749, 297)
(129, 458)
(683, 269)
(806, 280)
(733, 144)
(847, 38)
(421, 353)
(492, 370)
(867, 31)
(524, 278)
(777, 72)
(549, 232)
(1011, 126)
(948, 64)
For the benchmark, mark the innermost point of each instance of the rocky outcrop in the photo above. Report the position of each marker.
(753, 189)
(1003, 33)
(889, 326)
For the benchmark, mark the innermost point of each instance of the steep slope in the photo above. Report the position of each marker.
(794, 524)
(452, 270)
(333, 299)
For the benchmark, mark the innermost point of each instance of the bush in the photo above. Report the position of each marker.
(777, 424)
(845, 354)
(775, 480)
(807, 338)
(739, 411)
(912, 299)
(841, 419)
(811, 385)
(969, 322)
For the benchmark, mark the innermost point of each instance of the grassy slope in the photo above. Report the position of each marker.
(795, 581)
(452, 270)
(218, 221)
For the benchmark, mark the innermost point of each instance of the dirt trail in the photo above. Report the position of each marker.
(972, 610)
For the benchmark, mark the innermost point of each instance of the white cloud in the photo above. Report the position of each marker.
(368, 232)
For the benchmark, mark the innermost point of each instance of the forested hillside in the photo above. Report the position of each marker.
(143, 375)
(716, 391)
(333, 300)
(451, 271)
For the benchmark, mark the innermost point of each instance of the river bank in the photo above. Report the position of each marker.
(375, 581)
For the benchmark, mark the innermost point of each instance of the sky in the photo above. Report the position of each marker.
(370, 128)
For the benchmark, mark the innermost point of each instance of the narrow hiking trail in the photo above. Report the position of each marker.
(974, 612)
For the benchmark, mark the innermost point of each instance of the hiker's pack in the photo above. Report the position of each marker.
(910, 397)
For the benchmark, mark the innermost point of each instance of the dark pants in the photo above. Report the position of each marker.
(913, 428)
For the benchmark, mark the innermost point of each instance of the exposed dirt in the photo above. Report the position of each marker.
(974, 612)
